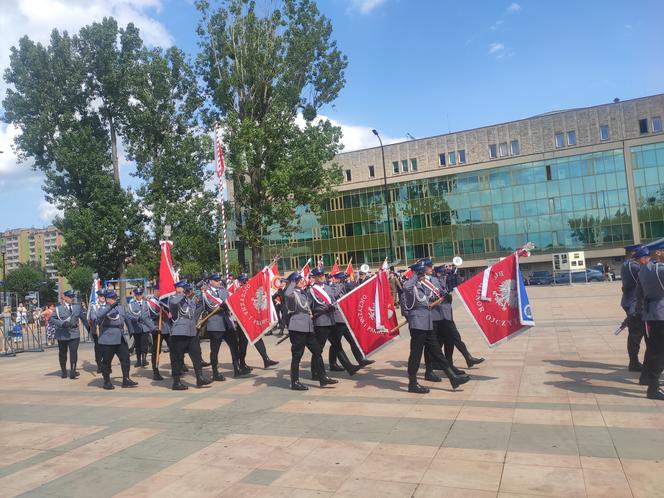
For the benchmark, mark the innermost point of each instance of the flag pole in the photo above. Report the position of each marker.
(219, 153)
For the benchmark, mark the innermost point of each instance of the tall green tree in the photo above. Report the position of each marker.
(29, 278)
(262, 70)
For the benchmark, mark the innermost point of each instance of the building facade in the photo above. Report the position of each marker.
(586, 179)
(31, 245)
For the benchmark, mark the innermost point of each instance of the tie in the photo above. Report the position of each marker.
(69, 308)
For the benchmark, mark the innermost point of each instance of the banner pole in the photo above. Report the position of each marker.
(220, 182)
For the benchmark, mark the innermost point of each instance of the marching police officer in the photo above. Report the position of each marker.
(629, 275)
(184, 337)
(142, 326)
(651, 282)
(417, 300)
(301, 332)
(66, 317)
(94, 330)
(111, 319)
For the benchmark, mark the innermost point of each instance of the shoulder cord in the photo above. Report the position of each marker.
(299, 301)
(132, 312)
(184, 310)
(631, 272)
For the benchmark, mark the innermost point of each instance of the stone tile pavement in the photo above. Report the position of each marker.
(552, 413)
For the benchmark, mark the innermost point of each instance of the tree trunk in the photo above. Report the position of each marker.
(116, 177)
(256, 253)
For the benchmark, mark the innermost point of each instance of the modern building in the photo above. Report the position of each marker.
(588, 179)
(31, 245)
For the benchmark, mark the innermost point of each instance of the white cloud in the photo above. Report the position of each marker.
(14, 176)
(495, 25)
(366, 6)
(496, 48)
(37, 18)
(47, 212)
(514, 7)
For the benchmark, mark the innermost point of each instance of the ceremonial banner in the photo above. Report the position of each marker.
(369, 312)
(335, 267)
(306, 270)
(96, 285)
(252, 306)
(167, 275)
(497, 301)
(349, 271)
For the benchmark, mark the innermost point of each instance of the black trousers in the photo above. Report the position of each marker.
(181, 344)
(243, 342)
(121, 351)
(300, 340)
(635, 332)
(163, 339)
(653, 363)
(322, 334)
(72, 346)
(421, 340)
(451, 339)
(95, 338)
(141, 344)
(216, 337)
(343, 332)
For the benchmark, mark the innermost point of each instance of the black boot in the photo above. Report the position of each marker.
(364, 362)
(414, 387)
(457, 371)
(204, 363)
(296, 385)
(138, 363)
(335, 367)
(145, 360)
(107, 382)
(267, 362)
(655, 393)
(73, 373)
(202, 381)
(472, 361)
(431, 376)
(156, 375)
(127, 382)
(98, 368)
(177, 385)
(216, 375)
(244, 367)
(635, 365)
(63, 373)
(327, 381)
(348, 366)
(455, 380)
(238, 371)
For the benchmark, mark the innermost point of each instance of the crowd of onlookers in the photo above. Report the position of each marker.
(15, 321)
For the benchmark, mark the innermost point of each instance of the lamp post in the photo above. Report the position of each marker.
(4, 276)
(385, 199)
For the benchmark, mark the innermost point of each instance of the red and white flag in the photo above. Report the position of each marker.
(335, 267)
(306, 270)
(275, 279)
(252, 306)
(369, 312)
(349, 271)
(497, 301)
(167, 275)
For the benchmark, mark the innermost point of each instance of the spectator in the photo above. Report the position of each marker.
(50, 328)
(21, 315)
(395, 286)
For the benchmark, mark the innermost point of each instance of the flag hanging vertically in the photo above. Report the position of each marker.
(497, 301)
(252, 306)
(167, 275)
(96, 285)
(335, 267)
(369, 312)
(221, 167)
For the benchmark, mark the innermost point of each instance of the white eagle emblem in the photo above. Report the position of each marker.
(506, 295)
(260, 301)
(372, 312)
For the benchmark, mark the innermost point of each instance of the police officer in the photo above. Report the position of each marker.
(322, 309)
(435, 286)
(341, 287)
(651, 282)
(184, 337)
(160, 317)
(301, 332)
(111, 319)
(142, 326)
(93, 326)
(243, 342)
(416, 301)
(66, 317)
(629, 275)
(219, 326)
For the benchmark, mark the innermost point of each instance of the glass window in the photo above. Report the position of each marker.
(395, 166)
(372, 172)
(643, 126)
(493, 151)
(656, 124)
(404, 165)
(441, 159)
(462, 156)
(452, 158)
(514, 147)
(604, 132)
(413, 164)
(571, 137)
(503, 149)
(348, 175)
(559, 140)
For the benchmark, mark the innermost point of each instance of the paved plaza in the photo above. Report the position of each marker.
(551, 413)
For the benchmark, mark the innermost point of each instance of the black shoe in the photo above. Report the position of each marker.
(658, 394)
(202, 381)
(298, 386)
(457, 371)
(335, 367)
(245, 368)
(63, 375)
(205, 364)
(239, 372)
(108, 386)
(364, 362)
(156, 375)
(455, 380)
(270, 363)
(326, 381)
(74, 374)
(472, 361)
(352, 370)
(128, 383)
(432, 377)
(178, 386)
(417, 389)
(635, 367)
(218, 376)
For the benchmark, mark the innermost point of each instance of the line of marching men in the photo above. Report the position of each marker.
(642, 276)
(311, 317)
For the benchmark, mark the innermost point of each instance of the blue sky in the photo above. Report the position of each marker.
(423, 67)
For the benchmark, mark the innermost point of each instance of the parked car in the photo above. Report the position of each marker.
(540, 278)
(580, 276)
(600, 268)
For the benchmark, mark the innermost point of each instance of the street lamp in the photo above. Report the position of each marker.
(385, 199)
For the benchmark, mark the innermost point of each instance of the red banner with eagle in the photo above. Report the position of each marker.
(252, 307)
